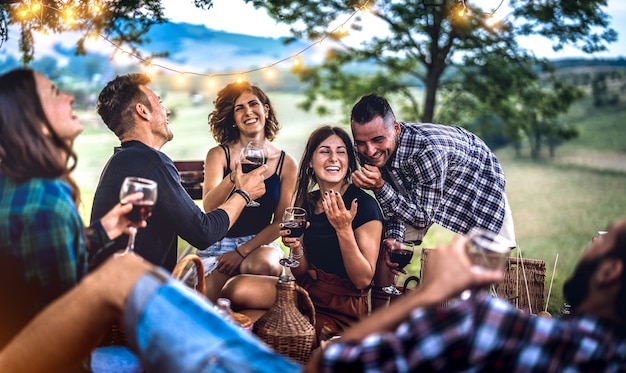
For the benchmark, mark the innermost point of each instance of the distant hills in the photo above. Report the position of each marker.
(191, 47)
(199, 49)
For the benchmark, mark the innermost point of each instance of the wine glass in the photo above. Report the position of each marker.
(294, 219)
(400, 253)
(487, 251)
(253, 156)
(142, 208)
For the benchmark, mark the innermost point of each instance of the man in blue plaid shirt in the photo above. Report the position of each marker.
(424, 173)
(174, 329)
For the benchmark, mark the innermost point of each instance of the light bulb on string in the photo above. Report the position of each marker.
(67, 16)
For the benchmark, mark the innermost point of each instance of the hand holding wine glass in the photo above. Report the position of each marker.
(401, 254)
(487, 251)
(253, 156)
(294, 219)
(142, 208)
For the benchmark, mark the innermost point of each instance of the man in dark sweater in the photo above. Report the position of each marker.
(136, 115)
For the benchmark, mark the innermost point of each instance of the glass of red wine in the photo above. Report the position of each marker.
(294, 219)
(142, 208)
(400, 253)
(253, 156)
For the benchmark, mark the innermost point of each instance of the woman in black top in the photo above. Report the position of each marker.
(244, 113)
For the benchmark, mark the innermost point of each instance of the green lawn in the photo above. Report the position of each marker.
(558, 205)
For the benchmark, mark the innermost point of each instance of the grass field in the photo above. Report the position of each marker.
(558, 205)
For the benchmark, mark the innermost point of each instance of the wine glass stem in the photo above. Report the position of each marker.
(131, 239)
(395, 280)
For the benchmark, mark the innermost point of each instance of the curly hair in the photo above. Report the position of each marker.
(306, 178)
(117, 100)
(26, 151)
(222, 119)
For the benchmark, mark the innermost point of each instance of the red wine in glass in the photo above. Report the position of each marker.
(247, 167)
(400, 253)
(252, 157)
(141, 208)
(296, 227)
(402, 257)
(294, 219)
(141, 211)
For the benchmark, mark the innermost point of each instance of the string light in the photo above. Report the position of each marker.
(119, 51)
(466, 9)
(68, 17)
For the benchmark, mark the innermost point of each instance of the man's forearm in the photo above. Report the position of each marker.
(233, 207)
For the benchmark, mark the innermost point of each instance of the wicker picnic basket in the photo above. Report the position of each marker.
(283, 327)
(183, 263)
(194, 260)
(523, 284)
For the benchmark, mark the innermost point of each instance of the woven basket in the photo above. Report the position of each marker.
(283, 327)
(194, 260)
(183, 264)
(522, 277)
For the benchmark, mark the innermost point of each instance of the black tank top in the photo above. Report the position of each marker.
(254, 219)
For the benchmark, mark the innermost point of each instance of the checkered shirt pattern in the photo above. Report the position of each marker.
(444, 175)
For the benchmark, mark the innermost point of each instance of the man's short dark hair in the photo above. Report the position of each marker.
(370, 107)
(118, 98)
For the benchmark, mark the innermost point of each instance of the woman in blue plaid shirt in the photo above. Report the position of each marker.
(42, 237)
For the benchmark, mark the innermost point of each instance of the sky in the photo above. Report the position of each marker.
(236, 16)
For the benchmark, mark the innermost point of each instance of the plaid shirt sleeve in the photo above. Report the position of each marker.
(419, 201)
(486, 334)
(97, 238)
(53, 252)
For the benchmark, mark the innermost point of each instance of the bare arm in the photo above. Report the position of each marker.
(252, 183)
(359, 248)
(287, 187)
(68, 330)
(216, 188)
(450, 272)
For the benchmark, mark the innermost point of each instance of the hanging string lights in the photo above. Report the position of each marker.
(68, 19)
(32, 11)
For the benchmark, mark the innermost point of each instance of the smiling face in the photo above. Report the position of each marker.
(330, 161)
(159, 116)
(250, 114)
(375, 142)
(57, 106)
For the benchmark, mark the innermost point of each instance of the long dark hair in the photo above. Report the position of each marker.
(222, 119)
(26, 152)
(306, 177)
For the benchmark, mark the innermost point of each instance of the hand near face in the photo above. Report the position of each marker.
(338, 216)
(368, 177)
